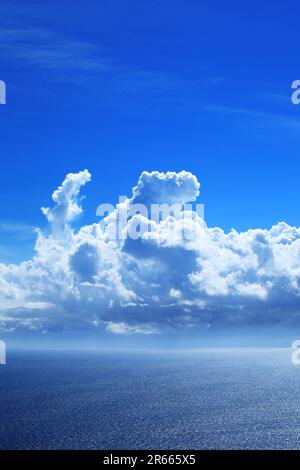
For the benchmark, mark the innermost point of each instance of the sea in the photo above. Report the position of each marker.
(191, 399)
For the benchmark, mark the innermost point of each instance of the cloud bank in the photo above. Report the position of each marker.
(87, 279)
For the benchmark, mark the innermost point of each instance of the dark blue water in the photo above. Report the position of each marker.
(218, 399)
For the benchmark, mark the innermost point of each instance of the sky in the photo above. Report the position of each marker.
(122, 87)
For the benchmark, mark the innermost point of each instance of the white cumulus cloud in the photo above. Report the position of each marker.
(158, 281)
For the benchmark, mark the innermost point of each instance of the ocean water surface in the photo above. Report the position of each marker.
(204, 399)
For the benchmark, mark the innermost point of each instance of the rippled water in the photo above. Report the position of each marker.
(210, 399)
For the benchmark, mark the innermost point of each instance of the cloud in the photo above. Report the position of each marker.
(122, 328)
(64, 59)
(66, 200)
(159, 280)
(17, 229)
(170, 187)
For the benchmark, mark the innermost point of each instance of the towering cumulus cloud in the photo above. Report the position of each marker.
(96, 277)
(65, 198)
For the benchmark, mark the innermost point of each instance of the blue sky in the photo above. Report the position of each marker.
(125, 86)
